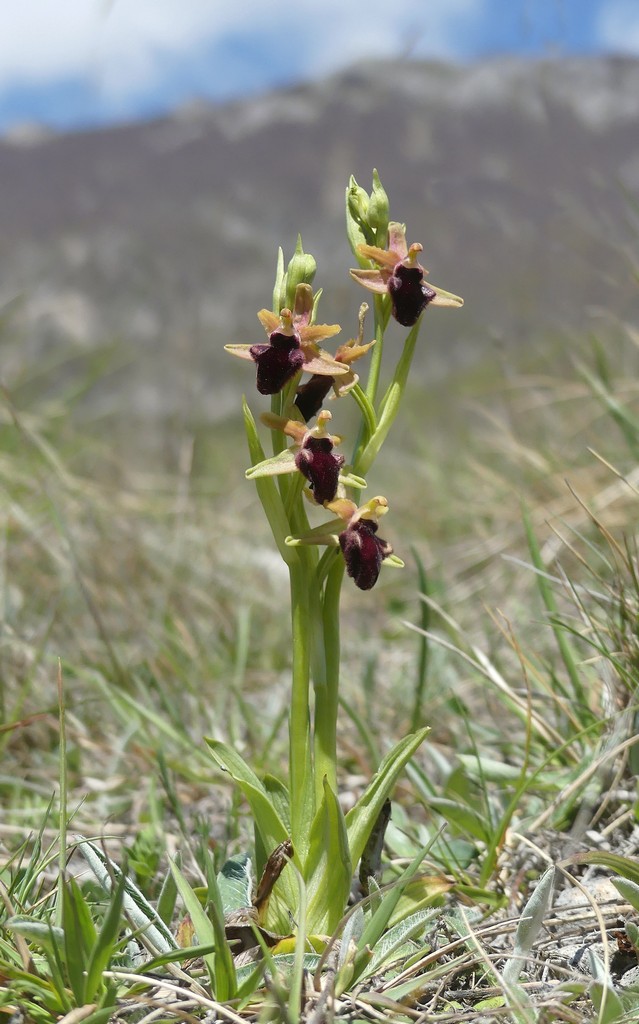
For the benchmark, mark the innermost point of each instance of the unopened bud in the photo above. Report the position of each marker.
(357, 229)
(301, 270)
(378, 212)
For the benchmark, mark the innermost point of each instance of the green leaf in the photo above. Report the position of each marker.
(136, 907)
(267, 490)
(379, 921)
(166, 899)
(463, 817)
(219, 964)
(529, 926)
(629, 890)
(278, 795)
(41, 933)
(106, 942)
(606, 1001)
(327, 871)
(235, 884)
(79, 936)
(271, 827)
(362, 817)
(625, 867)
(392, 941)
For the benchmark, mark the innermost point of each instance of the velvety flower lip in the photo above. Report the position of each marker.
(355, 532)
(320, 465)
(311, 455)
(278, 361)
(363, 550)
(310, 396)
(401, 276)
(293, 345)
(409, 294)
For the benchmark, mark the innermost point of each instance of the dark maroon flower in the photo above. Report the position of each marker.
(277, 362)
(363, 552)
(293, 345)
(319, 464)
(409, 294)
(310, 396)
(401, 276)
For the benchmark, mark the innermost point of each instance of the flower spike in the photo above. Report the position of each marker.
(401, 276)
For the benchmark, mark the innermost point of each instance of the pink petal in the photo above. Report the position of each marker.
(371, 279)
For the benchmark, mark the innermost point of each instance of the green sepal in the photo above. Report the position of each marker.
(283, 462)
(352, 480)
(394, 562)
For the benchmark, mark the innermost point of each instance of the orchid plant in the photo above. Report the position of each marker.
(302, 478)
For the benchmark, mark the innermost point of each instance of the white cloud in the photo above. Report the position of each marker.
(618, 26)
(121, 44)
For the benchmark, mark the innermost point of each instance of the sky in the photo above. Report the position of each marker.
(73, 64)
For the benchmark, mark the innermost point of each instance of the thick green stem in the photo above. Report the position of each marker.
(327, 698)
(299, 725)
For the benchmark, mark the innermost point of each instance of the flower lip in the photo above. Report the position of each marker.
(363, 551)
(409, 293)
(277, 362)
(320, 465)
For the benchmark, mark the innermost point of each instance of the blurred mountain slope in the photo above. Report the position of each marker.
(517, 177)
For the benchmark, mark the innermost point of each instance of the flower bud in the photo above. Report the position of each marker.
(357, 227)
(357, 201)
(301, 270)
(378, 212)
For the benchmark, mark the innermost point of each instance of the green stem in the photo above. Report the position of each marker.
(389, 406)
(327, 700)
(299, 725)
(381, 320)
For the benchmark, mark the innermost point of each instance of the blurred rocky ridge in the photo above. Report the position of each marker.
(161, 237)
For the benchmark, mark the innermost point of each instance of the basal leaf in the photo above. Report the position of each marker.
(235, 884)
(529, 926)
(271, 827)
(361, 819)
(136, 907)
(106, 941)
(219, 964)
(327, 871)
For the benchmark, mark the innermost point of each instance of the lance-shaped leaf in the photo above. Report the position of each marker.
(361, 819)
(529, 926)
(136, 907)
(327, 871)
